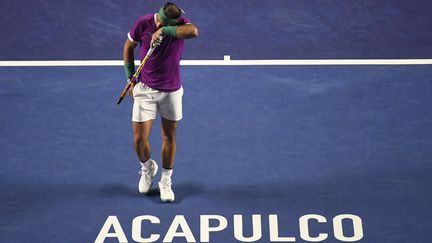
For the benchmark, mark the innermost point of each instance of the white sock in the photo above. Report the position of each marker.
(147, 165)
(166, 174)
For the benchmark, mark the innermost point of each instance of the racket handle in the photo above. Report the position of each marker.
(119, 100)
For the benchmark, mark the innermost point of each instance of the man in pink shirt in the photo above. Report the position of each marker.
(158, 90)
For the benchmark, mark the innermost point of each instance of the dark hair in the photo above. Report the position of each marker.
(171, 10)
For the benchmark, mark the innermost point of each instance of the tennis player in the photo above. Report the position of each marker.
(158, 90)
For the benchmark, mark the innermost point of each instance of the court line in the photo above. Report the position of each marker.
(227, 61)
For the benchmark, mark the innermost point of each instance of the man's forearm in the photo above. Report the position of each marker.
(187, 31)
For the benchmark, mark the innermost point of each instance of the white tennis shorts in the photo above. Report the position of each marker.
(148, 102)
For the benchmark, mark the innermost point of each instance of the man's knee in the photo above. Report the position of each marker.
(169, 138)
(169, 129)
(140, 141)
(169, 134)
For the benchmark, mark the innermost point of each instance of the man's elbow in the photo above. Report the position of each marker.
(194, 32)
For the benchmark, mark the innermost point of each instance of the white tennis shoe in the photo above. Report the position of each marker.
(147, 175)
(166, 194)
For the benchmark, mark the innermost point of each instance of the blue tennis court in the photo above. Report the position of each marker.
(275, 153)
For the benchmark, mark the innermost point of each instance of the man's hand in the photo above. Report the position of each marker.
(157, 36)
(131, 87)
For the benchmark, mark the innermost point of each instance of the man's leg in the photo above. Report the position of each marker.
(141, 133)
(171, 112)
(169, 129)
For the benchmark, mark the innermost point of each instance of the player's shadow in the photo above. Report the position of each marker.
(182, 190)
(118, 189)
